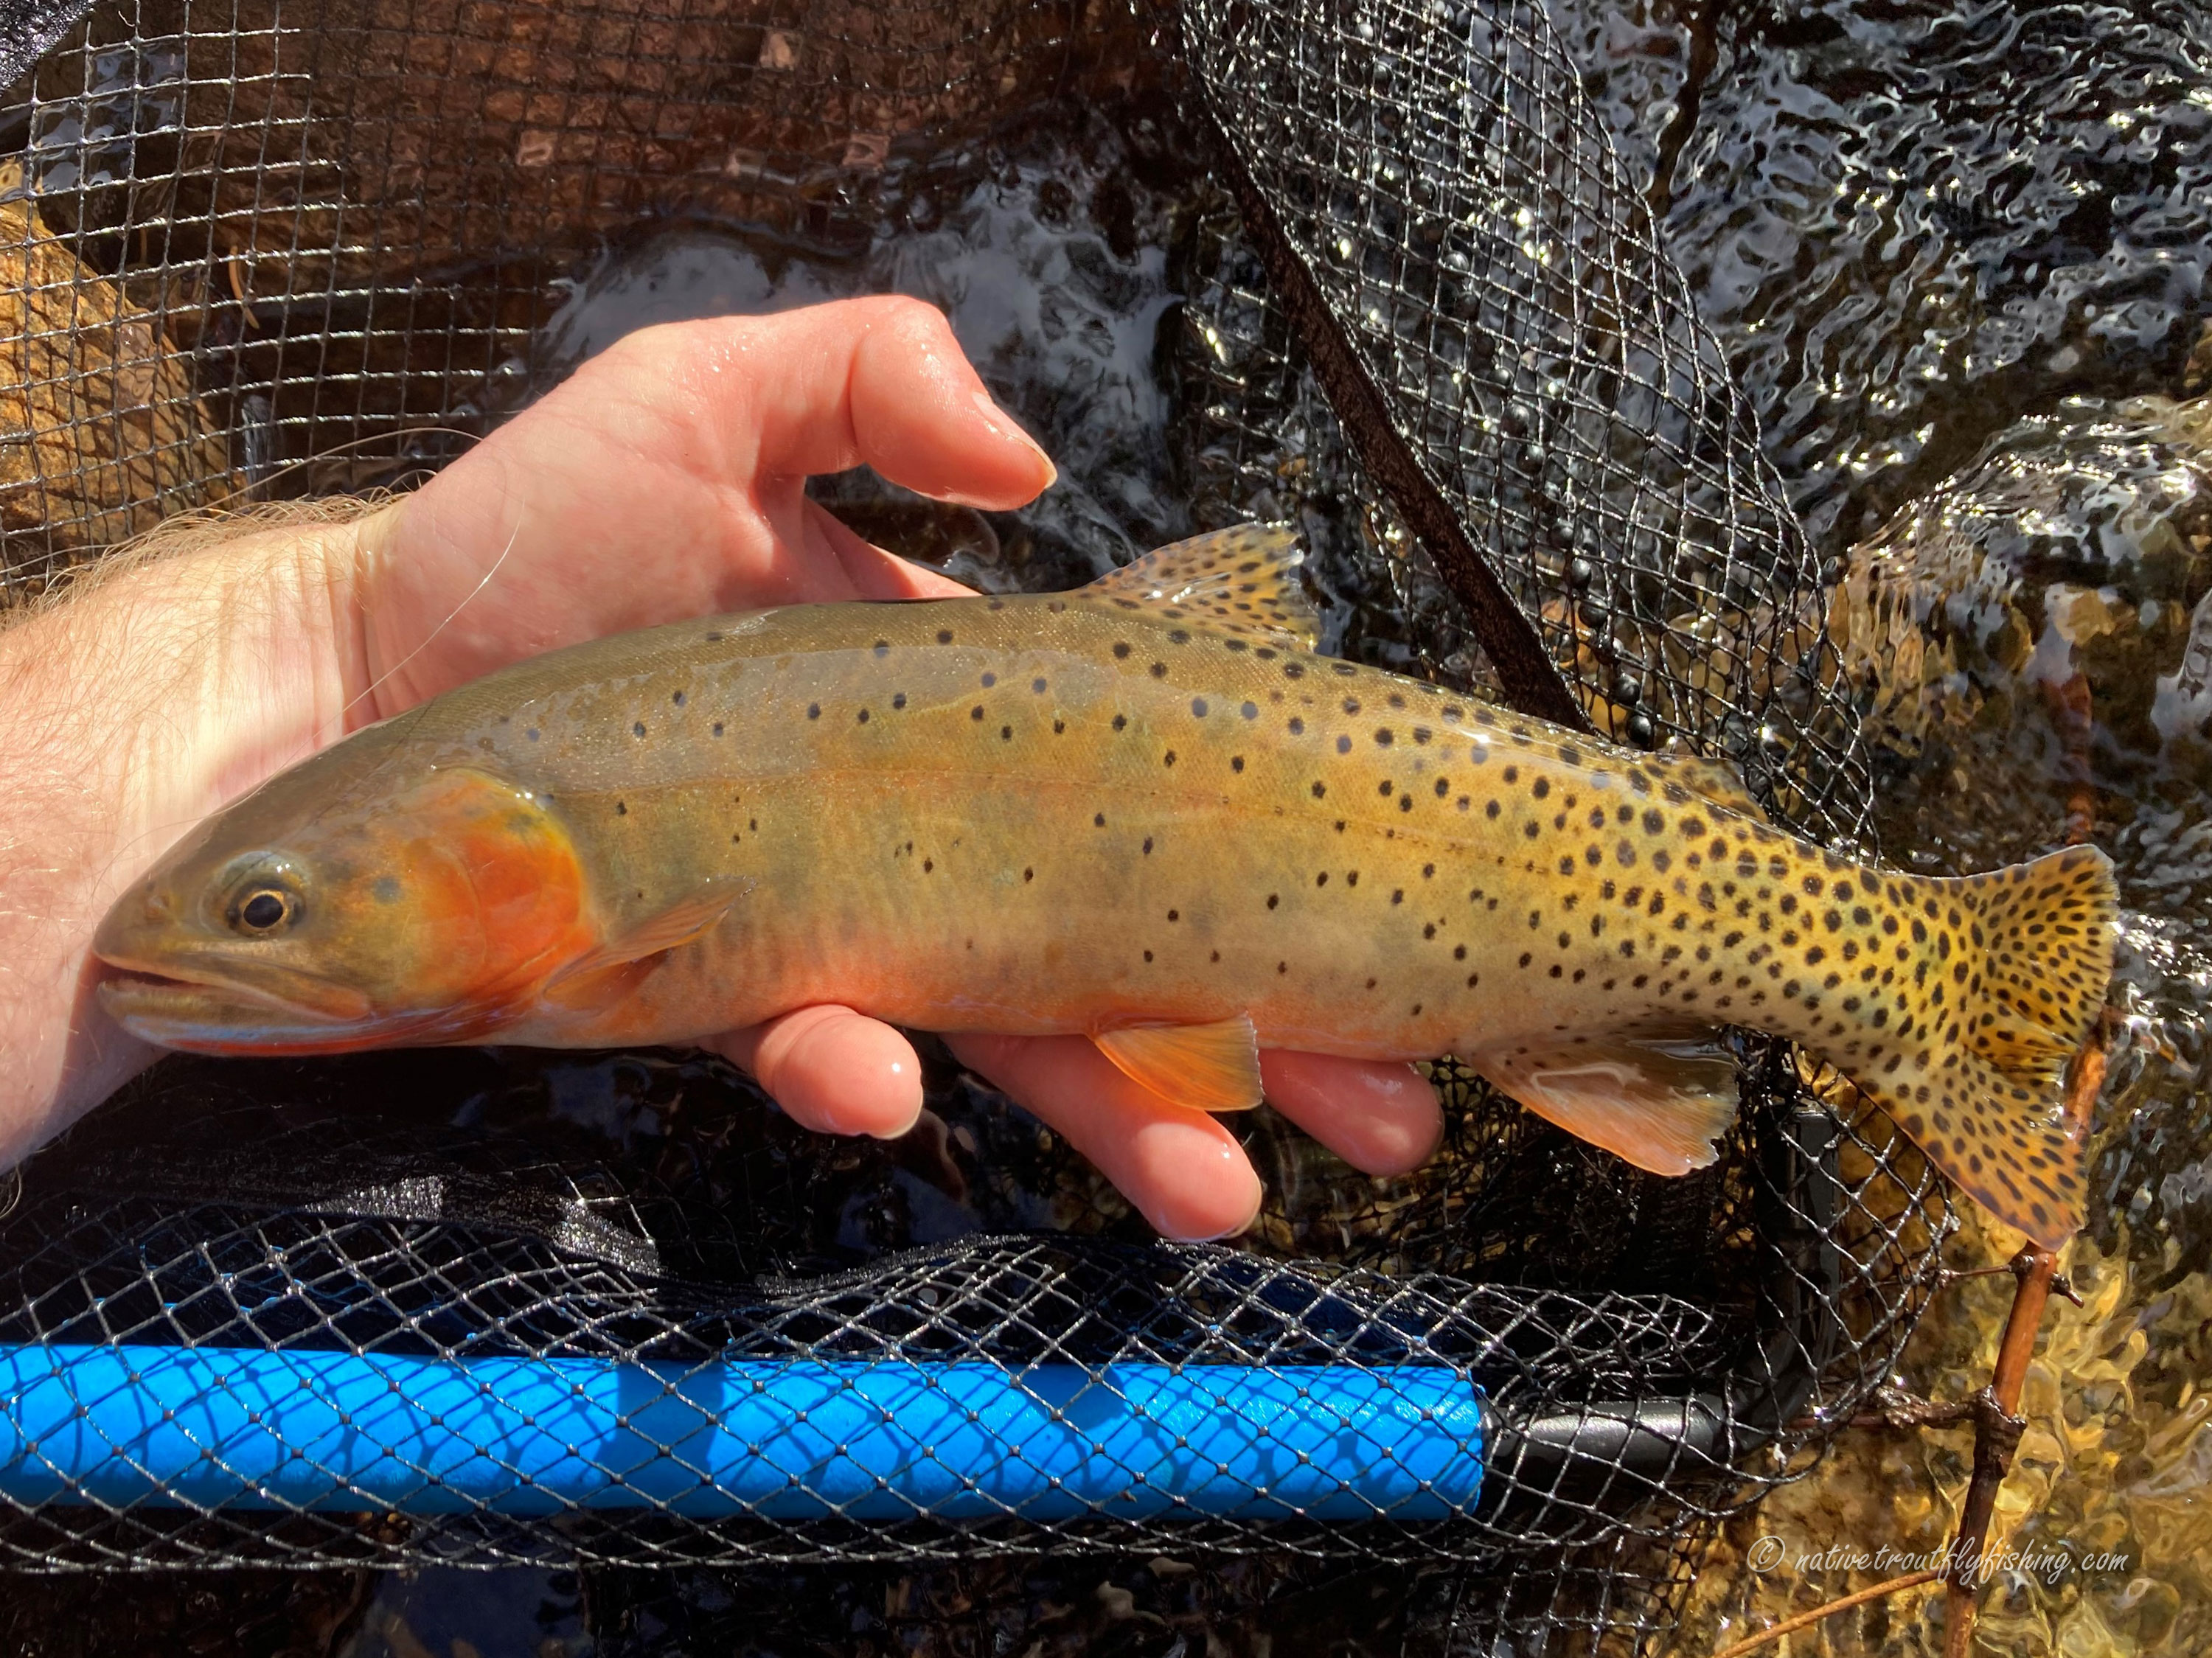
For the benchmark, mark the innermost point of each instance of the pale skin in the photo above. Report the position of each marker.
(665, 480)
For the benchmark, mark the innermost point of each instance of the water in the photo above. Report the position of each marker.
(1049, 254)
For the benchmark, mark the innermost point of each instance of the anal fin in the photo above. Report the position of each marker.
(1660, 1103)
(1209, 1067)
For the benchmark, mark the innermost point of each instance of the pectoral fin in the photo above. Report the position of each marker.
(1210, 1067)
(1659, 1104)
(619, 966)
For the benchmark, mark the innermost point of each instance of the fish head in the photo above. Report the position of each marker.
(327, 913)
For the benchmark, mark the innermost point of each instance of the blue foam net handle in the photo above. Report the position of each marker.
(793, 1440)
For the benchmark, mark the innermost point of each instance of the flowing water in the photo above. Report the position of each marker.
(1957, 255)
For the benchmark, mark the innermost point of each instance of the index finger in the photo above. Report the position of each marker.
(876, 382)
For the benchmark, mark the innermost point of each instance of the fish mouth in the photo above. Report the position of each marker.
(262, 1010)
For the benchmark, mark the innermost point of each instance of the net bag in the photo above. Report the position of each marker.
(614, 1310)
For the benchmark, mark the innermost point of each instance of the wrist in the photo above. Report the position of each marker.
(170, 685)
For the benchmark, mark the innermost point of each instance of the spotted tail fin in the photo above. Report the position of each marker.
(1976, 1085)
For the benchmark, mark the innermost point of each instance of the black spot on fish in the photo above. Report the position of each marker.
(531, 733)
(718, 728)
(1159, 671)
(637, 728)
(944, 636)
(862, 718)
(975, 713)
(1344, 746)
(1037, 685)
(1236, 763)
(1319, 789)
(677, 700)
(622, 808)
(1198, 707)
(1298, 726)
(898, 701)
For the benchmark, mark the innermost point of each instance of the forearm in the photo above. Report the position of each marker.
(127, 714)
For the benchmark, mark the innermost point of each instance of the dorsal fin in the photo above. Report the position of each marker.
(1241, 581)
(1716, 781)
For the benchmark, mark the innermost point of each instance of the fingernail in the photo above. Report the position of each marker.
(905, 1073)
(1003, 423)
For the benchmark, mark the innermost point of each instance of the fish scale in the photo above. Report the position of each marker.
(1145, 812)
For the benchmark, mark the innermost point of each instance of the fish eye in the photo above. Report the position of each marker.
(262, 910)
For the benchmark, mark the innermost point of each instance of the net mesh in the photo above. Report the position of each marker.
(260, 248)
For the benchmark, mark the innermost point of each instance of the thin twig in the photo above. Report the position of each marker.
(1911, 1579)
(1997, 1434)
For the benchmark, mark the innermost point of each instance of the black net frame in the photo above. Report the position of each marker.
(1426, 314)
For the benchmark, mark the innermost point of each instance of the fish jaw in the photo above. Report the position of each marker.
(211, 1015)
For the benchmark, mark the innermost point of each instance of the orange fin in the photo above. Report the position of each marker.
(619, 967)
(1658, 1103)
(1243, 579)
(1210, 1067)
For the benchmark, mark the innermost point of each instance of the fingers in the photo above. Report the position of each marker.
(840, 1073)
(1381, 1119)
(883, 382)
(1184, 1171)
(832, 1070)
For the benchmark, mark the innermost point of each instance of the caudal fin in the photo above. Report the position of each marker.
(2017, 971)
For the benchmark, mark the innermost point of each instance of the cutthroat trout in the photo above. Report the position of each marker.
(1146, 812)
